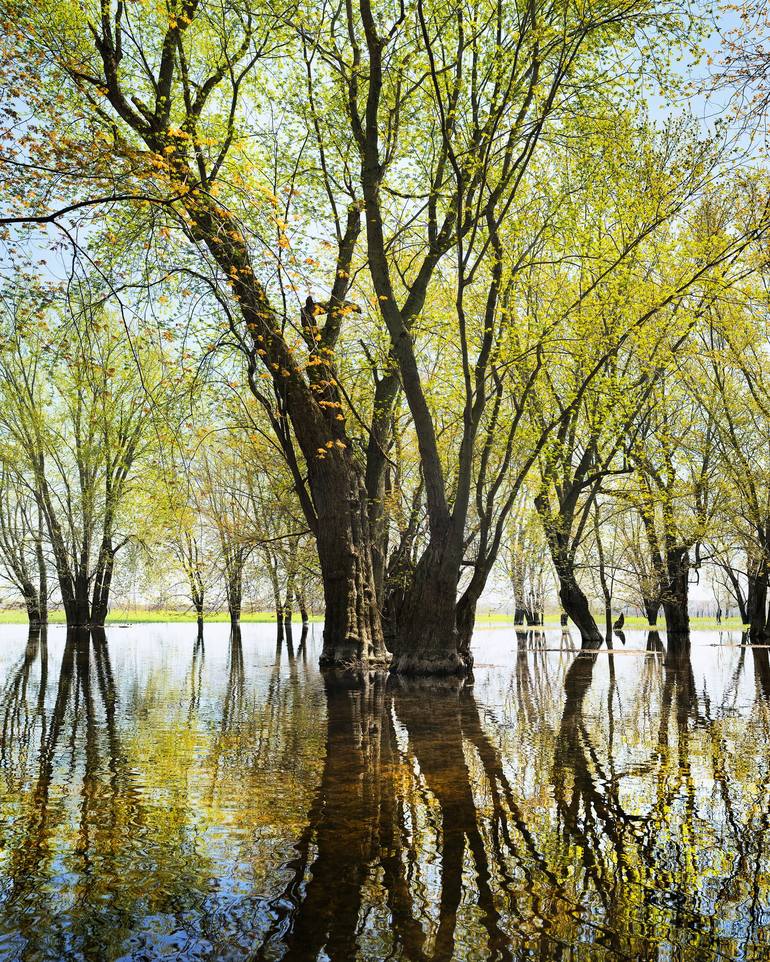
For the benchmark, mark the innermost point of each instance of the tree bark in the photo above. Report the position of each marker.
(575, 604)
(428, 641)
(352, 635)
(676, 595)
(651, 609)
(302, 605)
(756, 603)
(234, 574)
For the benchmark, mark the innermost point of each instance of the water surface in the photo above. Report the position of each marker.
(166, 797)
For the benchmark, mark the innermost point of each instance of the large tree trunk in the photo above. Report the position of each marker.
(676, 595)
(337, 510)
(651, 609)
(77, 603)
(575, 604)
(352, 634)
(32, 602)
(428, 640)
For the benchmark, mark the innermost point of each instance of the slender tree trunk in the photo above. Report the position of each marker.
(235, 589)
(287, 618)
(42, 568)
(279, 621)
(756, 602)
(376, 479)
(607, 620)
(198, 602)
(302, 605)
(100, 599)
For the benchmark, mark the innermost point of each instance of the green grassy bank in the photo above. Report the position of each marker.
(165, 616)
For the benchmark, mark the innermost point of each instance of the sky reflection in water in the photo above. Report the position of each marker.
(163, 796)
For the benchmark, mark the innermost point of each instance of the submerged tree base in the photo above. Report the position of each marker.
(348, 657)
(439, 663)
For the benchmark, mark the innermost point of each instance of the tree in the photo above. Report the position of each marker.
(22, 548)
(76, 414)
(166, 106)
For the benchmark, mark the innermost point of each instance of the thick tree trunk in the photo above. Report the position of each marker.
(428, 640)
(77, 603)
(32, 603)
(575, 604)
(533, 610)
(676, 595)
(352, 634)
(651, 609)
(519, 615)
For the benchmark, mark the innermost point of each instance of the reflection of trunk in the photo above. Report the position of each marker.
(654, 642)
(15, 726)
(432, 718)
(675, 596)
(235, 681)
(762, 672)
(322, 911)
(679, 691)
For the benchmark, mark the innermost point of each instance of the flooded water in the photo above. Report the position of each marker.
(163, 797)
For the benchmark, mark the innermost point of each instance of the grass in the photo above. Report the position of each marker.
(631, 622)
(142, 617)
(16, 616)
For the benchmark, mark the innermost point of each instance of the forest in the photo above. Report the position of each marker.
(367, 308)
(443, 328)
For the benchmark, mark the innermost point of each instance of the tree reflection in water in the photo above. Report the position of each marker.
(608, 804)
